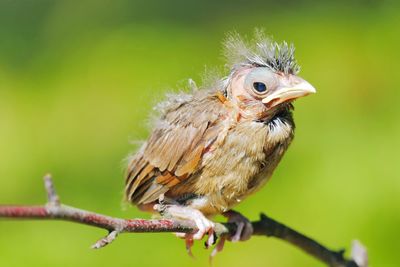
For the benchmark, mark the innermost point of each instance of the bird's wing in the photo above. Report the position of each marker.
(174, 150)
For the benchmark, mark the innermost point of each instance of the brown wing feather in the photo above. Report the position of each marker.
(174, 150)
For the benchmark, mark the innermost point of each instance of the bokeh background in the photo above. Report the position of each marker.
(79, 78)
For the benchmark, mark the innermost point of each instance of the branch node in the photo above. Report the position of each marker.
(270, 227)
(52, 197)
(263, 217)
(106, 240)
(341, 252)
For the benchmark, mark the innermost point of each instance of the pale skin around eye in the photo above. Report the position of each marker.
(243, 82)
(260, 78)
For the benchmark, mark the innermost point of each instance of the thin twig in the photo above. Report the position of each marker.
(52, 197)
(106, 240)
(266, 226)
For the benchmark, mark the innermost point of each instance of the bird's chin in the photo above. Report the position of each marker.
(272, 105)
(277, 112)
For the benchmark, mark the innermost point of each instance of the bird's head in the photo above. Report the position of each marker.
(263, 77)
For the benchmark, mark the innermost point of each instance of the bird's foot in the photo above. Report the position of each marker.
(204, 225)
(243, 232)
(244, 228)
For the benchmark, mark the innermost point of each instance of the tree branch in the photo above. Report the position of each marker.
(266, 226)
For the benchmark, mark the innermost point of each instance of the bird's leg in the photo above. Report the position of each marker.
(244, 227)
(204, 225)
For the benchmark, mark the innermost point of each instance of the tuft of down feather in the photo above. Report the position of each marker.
(261, 51)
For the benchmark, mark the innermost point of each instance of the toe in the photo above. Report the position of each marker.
(180, 235)
(238, 234)
(247, 231)
(205, 226)
(200, 232)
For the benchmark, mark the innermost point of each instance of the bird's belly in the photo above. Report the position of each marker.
(237, 168)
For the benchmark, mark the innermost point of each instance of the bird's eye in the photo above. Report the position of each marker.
(260, 87)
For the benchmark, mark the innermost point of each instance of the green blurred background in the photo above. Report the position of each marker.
(78, 79)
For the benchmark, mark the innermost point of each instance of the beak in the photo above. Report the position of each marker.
(293, 87)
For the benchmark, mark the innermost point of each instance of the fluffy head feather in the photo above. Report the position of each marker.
(261, 51)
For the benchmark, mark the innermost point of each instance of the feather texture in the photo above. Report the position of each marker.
(212, 147)
(175, 147)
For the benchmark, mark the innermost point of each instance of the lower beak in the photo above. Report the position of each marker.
(287, 93)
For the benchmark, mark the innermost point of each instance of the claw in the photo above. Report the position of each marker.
(211, 240)
(218, 248)
(189, 244)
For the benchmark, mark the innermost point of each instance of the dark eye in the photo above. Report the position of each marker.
(260, 87)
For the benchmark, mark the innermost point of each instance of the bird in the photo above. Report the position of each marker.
(212, 146)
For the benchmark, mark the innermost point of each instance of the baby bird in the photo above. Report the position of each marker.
(212, 147)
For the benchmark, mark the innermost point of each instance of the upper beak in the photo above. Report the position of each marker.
(290, 91)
